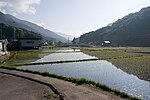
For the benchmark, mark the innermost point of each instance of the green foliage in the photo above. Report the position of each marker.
(8, 32)
(49, 94)
(4, 58)
(74, 40)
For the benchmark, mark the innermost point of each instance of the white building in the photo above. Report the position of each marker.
(106, 43)
(3, 47)
(30, 42)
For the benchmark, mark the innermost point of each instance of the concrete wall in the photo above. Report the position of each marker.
(1, 47)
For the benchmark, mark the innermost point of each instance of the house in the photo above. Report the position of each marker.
(3, 47)
(106, 44)
(29, 42)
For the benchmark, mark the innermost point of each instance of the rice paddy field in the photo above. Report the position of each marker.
(109, 63)
(133, 60)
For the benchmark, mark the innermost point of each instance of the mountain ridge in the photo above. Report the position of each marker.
(13, 21)
(131, 30)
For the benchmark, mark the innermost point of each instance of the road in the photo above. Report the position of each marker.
(67, 90)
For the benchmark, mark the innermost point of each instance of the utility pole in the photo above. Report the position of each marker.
(1, 31)
(68, 40)
(14, 31)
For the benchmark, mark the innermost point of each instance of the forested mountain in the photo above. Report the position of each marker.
(13, 21)
(7, 32)
(131, 30)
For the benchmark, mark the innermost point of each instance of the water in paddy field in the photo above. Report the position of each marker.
(58, 50)
(64, 56)
(58, 55)
(100, 71)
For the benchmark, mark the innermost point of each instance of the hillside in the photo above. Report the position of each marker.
(7, 32)
(131, 30)
(13, 21)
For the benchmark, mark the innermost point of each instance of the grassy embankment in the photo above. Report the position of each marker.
(78, 81)
(4, 58)
(133, 60)
(24, 56)
(54, 62)
(21, 55)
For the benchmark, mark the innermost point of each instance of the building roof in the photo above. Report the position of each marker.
(108, 42)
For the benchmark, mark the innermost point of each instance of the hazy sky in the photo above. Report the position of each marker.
(73, 17)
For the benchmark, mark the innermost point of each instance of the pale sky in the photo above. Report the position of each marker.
(72, 17)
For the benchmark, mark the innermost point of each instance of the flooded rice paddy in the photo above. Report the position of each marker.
(100, 71)
(65, 56)
(59, 55)
(58, 50)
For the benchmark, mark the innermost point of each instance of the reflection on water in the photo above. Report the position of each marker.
(64, 57)
(69, 50)
(59, 55)
(65, 50)
(100, 71)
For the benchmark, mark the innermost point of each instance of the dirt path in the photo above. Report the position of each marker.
(68, 90)
(16, 88)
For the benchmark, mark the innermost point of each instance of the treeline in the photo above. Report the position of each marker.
(7, 32)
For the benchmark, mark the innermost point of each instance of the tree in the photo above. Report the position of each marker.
(74, 40)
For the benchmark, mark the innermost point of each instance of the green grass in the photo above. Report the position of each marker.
(78, 81)
(17, 56)
(105, 53)
(24, 56)
(49, 94)
(4, 58)
(28, 56)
